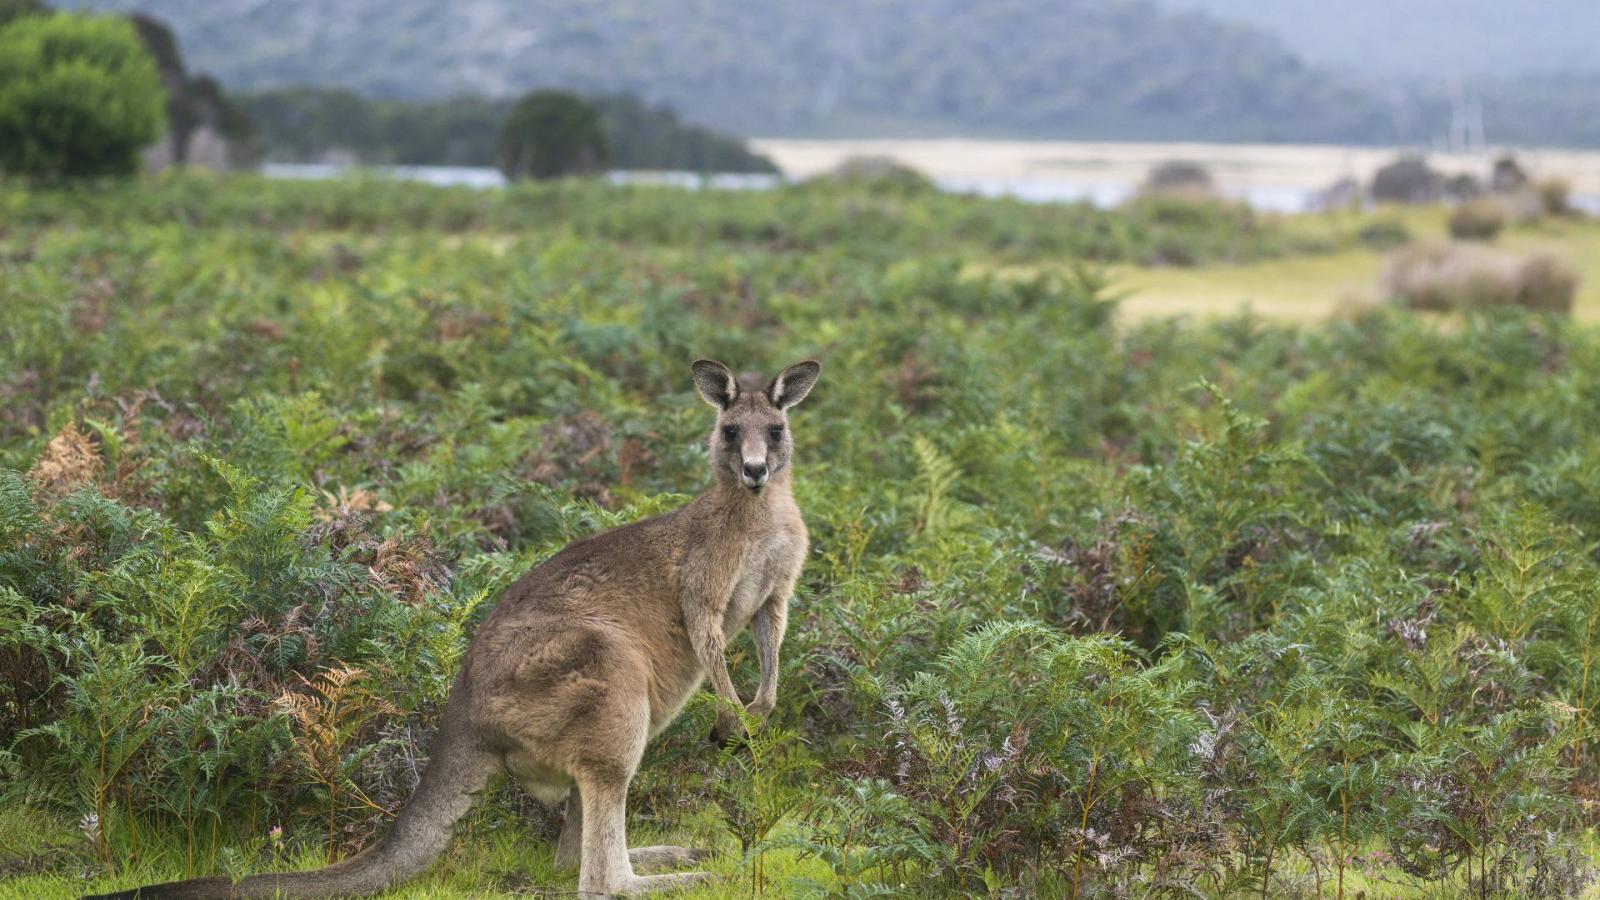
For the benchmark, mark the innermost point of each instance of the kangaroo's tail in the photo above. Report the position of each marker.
(459, 767)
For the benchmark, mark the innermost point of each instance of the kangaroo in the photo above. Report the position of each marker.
(595, 651)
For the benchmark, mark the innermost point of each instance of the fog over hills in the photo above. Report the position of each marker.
(1057, 67)
(1126, 69)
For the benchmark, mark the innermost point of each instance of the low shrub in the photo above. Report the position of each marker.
(1546, 284)
(1408, 179)
(1467, 276)
(1555, 196)
(1523, 206)
(1343, 194)
(1179, 178)
(1478, 219)
(1508, 175)
(878, 174)
(1461, 187)
(1384, 234)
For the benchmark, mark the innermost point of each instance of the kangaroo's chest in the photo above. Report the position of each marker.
(767, 564)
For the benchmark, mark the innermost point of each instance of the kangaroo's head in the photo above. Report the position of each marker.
(751, 443)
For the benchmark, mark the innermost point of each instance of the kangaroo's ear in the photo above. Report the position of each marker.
(793, 384)
(716, 383)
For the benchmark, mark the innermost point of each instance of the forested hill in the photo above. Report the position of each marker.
(1068, 68)
(1426, 39)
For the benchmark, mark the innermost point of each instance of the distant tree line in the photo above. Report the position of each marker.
(311, 124)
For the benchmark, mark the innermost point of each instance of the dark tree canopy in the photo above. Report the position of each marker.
(550, 134)
(16, 9)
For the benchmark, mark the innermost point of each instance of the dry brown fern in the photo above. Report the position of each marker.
(329, 715)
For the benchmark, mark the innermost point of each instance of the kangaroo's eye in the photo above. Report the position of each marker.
(775, 432)
(730, 433)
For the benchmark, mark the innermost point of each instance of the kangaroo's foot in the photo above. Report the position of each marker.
(665, 857)
(649, 884)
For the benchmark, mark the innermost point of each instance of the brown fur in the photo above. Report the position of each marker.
(594, 652)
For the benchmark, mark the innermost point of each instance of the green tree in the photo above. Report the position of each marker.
(78, 96)
(550, 134)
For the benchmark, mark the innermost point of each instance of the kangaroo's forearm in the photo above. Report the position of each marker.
(710, 648)
(768, 627)
(722, 682)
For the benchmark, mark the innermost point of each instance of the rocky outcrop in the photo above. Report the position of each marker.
(204, 128)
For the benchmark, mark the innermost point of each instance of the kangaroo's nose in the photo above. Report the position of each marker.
(756, 471)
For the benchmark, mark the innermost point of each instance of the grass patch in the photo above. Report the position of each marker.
(1313, 288)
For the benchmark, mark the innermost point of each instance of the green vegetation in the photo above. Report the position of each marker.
(1096, 609)
(78, 96)
(822, 218)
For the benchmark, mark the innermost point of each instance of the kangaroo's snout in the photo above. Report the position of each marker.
(755, 473)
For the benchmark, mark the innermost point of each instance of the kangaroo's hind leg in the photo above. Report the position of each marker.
(569, 847)
(603, 772)
(580, 711)
(606, 867)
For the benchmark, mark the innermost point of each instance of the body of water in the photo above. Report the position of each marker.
(1273, 178)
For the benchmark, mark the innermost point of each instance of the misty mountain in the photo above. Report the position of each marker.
(1068, 68)
(1428, 39)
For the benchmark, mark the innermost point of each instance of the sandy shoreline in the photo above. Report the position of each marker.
(1235, 166)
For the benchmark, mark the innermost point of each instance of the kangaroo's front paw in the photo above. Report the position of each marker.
(761, 707)
(728, 730)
